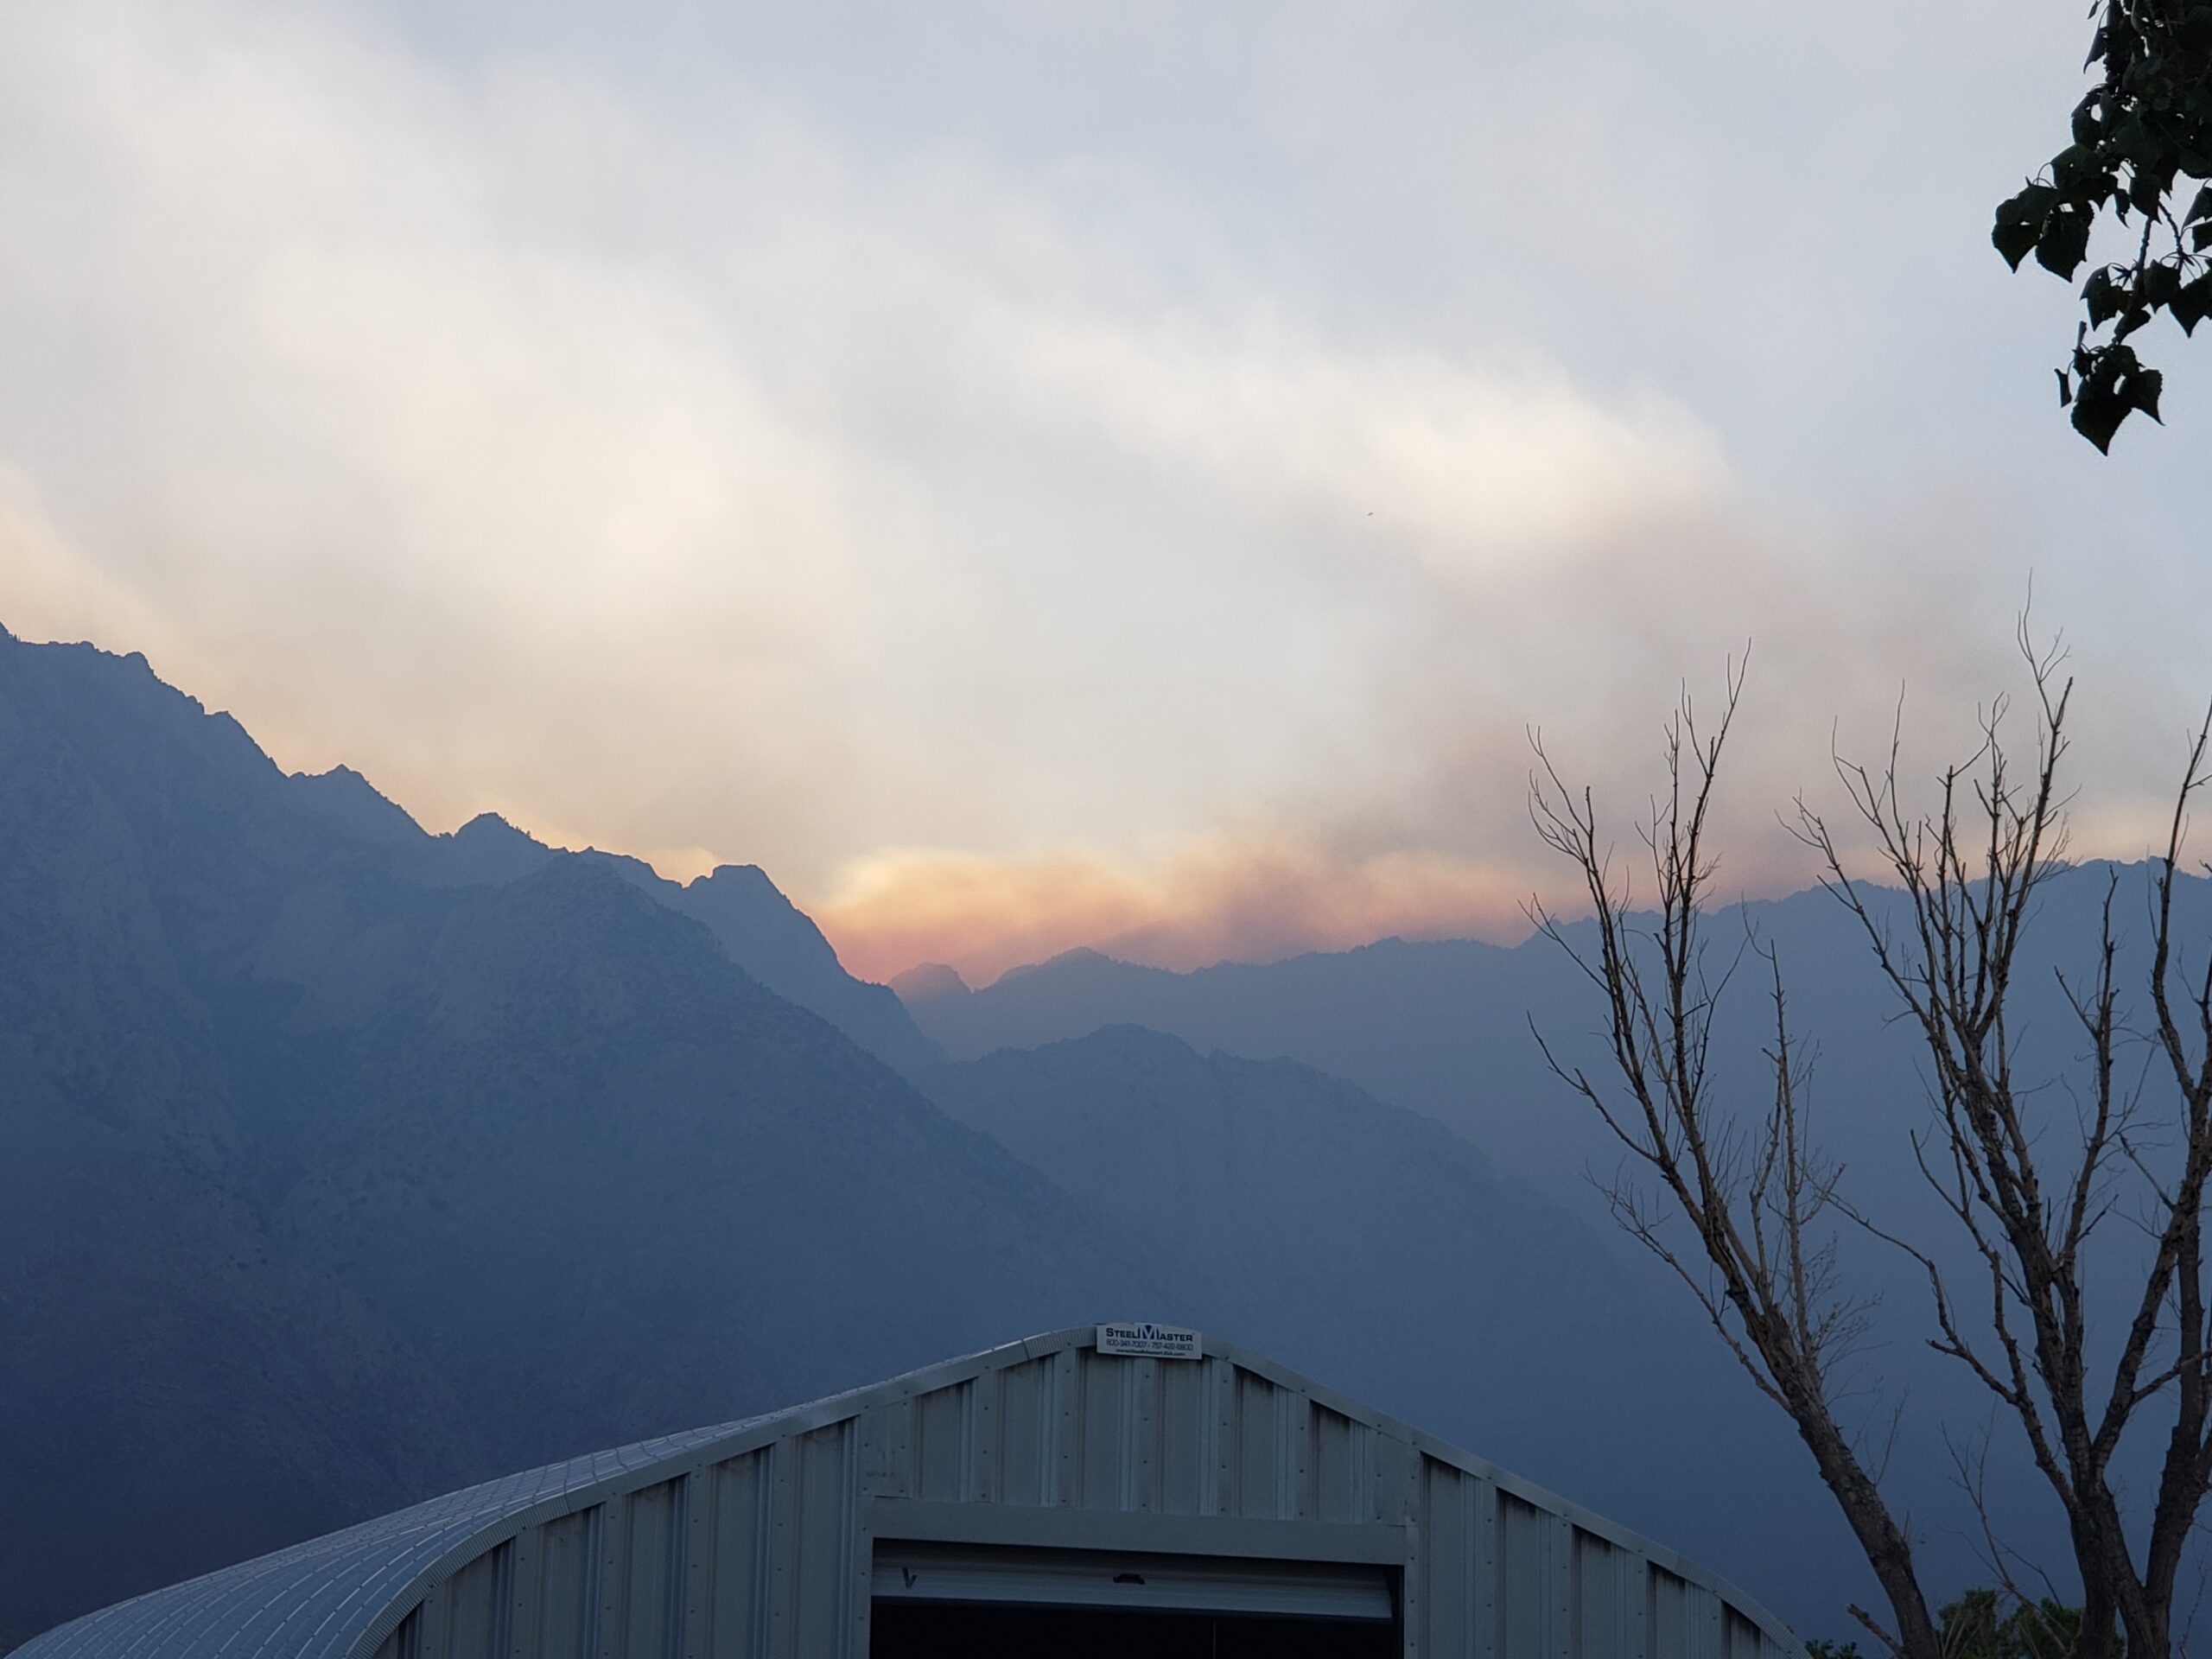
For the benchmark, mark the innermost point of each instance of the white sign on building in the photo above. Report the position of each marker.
(1150, 1341)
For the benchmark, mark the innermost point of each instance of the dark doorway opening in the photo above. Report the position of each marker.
(952, 1630)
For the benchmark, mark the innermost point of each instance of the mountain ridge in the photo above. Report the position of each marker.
(314, 1166)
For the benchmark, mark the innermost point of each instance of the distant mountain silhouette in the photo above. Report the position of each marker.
(763, 932)
(332, 1175)
(928, 981)
(780, 945)
(176, 1378)
(1447, 1026)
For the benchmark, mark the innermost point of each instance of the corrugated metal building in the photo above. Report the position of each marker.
(1037, 1497)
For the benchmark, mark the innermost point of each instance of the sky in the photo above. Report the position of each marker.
(1032, 475)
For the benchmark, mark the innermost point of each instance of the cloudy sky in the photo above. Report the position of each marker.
(1036, 474)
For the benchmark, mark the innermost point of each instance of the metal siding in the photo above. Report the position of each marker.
(698, 1592)
(563, 1617)
(982, 1443)
(430, 1623)
(780, 1588)
(611, 1585)
(1220, 1385)
(1258, 1492)
(1337, 1465)
(1688, 1618)
(1299, 1473)
(1448, 1612)
(523, 1570)
(1398, 1470)
(1526, 1610)
(1185, 1440)
(1105, 1409)
(1601, 1600)
(653, 1573)
(1563, 1585)
(1026, 1419)
(477, 1601)
(886, 1449)
(1709, 1622)
(826, 1525)
(1635, 1603)
(737, 1625)
(942, 1440)
(1066, 1427)
(1666, 1629)
(693, 1546)
(1142, 1438)
(1707, 1634)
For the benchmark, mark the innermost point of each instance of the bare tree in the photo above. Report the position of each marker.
(1763, 1207)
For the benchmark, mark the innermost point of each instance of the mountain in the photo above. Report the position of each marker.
(341, 1164)
(927, 982)
(1366, 1243)
(1449, 1027)
(762, 931)
(567, 1088)
(135, 1275)
(780, 945)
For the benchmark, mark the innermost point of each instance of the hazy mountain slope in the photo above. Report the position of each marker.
(328, 1181)
(780, 945)
(180, 1390)
(577, 1139)
(1447, 1026)
(1368, 1245)
(763, 933)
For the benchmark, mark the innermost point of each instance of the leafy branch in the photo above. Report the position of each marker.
(2140, 134)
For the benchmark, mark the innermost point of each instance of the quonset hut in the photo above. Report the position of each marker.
(1041, 1497)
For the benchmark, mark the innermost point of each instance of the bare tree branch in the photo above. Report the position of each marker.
(1946, 933)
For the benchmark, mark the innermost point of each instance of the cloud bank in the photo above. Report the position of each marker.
(1011, 541)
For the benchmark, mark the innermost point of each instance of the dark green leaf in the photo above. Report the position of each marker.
(2086, 124)
(2104, 298)
(2032, 206)
(2020, 221)
(2159, 285)
(2200, 208)
(2142, 391)
(2071, 165)
(2193, 304)
(2135, 140)
(2065, 388)
(2109, 391)
(2097, 416)
(2064, 242)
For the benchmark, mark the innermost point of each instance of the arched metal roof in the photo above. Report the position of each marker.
(319, 1597)
(342, 1596)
